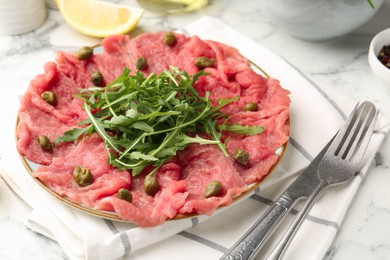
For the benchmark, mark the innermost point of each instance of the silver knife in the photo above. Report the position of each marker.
(251, 242)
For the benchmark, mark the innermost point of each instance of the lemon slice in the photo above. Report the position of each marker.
(98, 18)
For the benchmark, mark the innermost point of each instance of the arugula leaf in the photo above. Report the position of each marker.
(371, 4)
(211, 130)
(145, 120)
(240, 129)
(73, 134)
(138, 156)
(99, 128)
(121, 120)
(142, 126)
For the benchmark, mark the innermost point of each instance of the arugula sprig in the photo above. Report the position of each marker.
(146, 120)
(371, 4)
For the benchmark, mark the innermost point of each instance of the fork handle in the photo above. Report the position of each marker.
(280, 248)
(249, 245)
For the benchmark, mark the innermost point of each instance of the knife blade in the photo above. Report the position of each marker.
(251, 242)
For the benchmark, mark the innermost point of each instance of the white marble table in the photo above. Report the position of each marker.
(340, 63)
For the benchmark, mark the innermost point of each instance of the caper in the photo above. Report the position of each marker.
(82, 176)
(84, 53)
(125, 194)
(97, 78)
(203, 62)
(151, 185)
(49, 97)
(169, 38)
(214, 188)
(141, 63)
(251, 106)
(241, 156)
(45, 143)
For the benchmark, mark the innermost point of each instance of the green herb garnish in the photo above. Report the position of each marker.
(371, 4)
(146, 120)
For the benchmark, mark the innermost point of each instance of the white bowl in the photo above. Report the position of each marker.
(319, 20)
(381, 39)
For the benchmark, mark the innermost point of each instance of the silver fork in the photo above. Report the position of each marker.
(339, 164)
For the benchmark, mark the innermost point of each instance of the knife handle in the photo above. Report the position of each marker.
(280, 248)
(250, 243)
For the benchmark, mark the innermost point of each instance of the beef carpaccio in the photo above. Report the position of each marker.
(184, 178)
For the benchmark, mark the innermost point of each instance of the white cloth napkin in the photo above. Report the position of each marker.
(316, 115)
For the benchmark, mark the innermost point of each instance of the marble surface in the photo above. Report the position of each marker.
(340, 63)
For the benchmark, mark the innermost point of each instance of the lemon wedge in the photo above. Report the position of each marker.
(98, 18)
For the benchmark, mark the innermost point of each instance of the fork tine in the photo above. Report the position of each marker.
(340, 138)
(365, 115)
(364, 137)
(354, 129)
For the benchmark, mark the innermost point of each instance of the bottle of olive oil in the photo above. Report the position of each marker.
(172, 6)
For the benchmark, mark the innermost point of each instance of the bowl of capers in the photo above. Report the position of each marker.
(379, 56)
